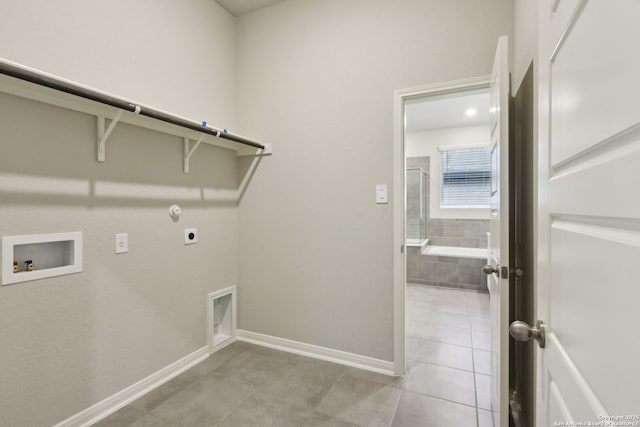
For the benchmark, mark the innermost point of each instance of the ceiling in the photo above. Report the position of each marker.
(242, 7)
(437, 112)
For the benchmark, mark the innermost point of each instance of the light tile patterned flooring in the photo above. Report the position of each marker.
(448, 343)
(245, 385)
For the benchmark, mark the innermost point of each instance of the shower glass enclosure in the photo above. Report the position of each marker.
(417, 196)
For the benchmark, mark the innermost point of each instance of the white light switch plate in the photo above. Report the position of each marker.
(381, 193)
(122, 243)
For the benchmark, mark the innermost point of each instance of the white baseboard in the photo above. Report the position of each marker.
(317, 352)
(122, 398)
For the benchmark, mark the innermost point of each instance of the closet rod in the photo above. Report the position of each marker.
(32, 75)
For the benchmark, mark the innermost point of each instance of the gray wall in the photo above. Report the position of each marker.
(69, 342)
(313, 77)
(316, 78)
(177, 56)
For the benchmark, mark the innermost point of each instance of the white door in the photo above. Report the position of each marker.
(498, 282)
(588, 257)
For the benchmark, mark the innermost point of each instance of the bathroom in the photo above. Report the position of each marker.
(447, 157)
(447, 179)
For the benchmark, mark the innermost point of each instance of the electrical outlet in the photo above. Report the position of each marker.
(122, 243)
(190, 236)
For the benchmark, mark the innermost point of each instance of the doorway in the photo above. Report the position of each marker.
(442, 155)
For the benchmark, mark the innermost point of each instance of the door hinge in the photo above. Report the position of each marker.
(516, 410)
(518, 272)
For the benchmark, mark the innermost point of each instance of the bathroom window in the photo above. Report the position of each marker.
(465, 174)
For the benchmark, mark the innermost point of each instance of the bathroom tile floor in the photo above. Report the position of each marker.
(247, 385)
(448, 343)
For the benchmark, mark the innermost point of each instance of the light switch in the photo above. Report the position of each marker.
(122, 243)
(381, 193)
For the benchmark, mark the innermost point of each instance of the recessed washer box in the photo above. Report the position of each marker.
(54, 254)
(222, 318)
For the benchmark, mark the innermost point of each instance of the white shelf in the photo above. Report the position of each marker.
(48, 95)
(55, 254)
(222, 320)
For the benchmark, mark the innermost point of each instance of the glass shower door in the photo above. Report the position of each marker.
(416, 203)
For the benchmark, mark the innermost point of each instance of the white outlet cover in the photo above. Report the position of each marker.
(190, 236)
(381, 193)
(122, 243)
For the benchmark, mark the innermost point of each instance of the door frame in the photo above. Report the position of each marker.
(400, 96)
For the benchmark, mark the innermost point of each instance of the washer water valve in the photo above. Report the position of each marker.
(175, 212)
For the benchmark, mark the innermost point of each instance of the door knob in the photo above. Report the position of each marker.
(521, 331)
(489, 269)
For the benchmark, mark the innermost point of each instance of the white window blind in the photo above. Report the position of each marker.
(465, 174)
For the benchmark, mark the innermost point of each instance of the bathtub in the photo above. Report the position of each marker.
(452, 251)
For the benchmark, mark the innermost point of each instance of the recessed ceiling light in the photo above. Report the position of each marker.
(471, 112)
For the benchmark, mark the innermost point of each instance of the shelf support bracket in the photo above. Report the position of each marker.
(253, 152)
(188, 152)
(103, 135)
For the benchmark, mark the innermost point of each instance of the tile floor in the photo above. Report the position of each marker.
(247, 385)
(448, 343)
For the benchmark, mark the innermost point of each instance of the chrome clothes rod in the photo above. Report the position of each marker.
(32, 75)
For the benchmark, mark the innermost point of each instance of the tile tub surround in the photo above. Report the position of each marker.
(468, 233)
(449, 272)
(419, 162)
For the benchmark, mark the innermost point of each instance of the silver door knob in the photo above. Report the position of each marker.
(521, 331)
(490, 269)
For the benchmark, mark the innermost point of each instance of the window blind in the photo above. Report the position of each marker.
(465, 177)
